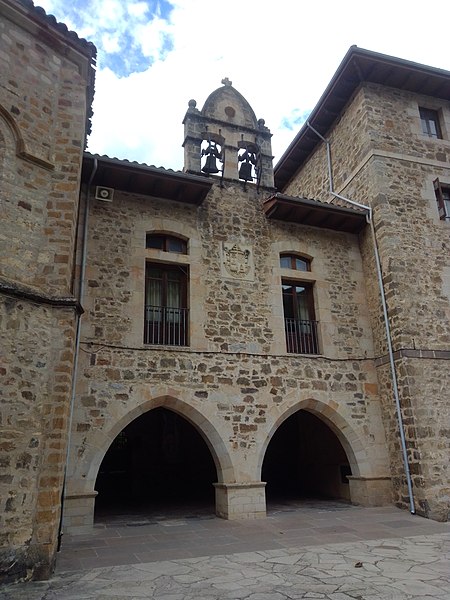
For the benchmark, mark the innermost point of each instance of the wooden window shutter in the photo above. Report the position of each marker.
(439, 198)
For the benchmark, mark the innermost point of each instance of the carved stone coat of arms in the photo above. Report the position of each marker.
(237, 260)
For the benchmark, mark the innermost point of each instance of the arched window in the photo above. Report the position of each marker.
(166, 242)
(166, 320)
(295, 262)
(298, 306)
(212, 149)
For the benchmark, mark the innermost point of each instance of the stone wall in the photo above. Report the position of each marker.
(229, 314)
(236, 401)
(349, 148)
(235, 382)
(394, 174)
(36, 374)
(42, 129)
(42, 117)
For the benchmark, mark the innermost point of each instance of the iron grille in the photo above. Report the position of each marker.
(166, 326)
(301, 336)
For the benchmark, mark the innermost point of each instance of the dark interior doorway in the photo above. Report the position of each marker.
(158, 463)
(305, 460)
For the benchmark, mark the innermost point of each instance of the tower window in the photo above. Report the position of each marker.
(214, 157)
(249, 159)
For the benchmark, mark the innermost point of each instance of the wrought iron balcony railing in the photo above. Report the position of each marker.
(301, 336)
(166, 326)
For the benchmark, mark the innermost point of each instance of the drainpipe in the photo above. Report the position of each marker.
(369, 217)
(77, 344)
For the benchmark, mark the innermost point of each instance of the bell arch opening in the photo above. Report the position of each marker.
(158, 464)
(305, 460)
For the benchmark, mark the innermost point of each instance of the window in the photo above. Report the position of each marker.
(430, 122)
(292, 261)
(167, 243)
(443, 199)
(166, 312)
(299, 320)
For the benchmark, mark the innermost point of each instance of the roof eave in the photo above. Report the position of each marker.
(313, 213)
(142, 179)
(322, 119)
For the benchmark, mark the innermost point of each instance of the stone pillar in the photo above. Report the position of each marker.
(231, 162)
(193, 125)
(370, 491)
(241, 500)
(79, 512)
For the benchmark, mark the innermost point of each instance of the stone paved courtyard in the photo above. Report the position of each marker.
(334, 552)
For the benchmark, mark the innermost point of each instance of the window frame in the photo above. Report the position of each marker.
(309, 289)
(301, 334)
(171, 327)
(166, 239)
(440, 191)
(293, 257)
(427, 116)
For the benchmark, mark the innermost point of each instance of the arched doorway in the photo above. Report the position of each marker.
(305, 460)
(159, 463)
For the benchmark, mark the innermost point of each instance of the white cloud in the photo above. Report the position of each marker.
(150, 37)
(137, 9)
(280, 56)
(111, 43)
(109, 14)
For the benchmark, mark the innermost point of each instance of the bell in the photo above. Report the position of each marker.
(245, 171)
(210, 165)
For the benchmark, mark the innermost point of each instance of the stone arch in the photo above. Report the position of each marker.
(14, 130)
(181, 236)
(212, 438)
(299, 247)
(11, 141)
(3, 150)
(351, 442)
(20, 148)
(183, 230)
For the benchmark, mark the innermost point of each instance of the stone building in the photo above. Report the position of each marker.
(46, 88)
(249, 334)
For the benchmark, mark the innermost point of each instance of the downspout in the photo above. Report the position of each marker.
(369, 217)
(77, 344)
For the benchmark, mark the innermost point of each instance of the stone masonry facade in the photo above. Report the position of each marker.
(43, 109)
(76, 364)
(391, 167)
(236, 378)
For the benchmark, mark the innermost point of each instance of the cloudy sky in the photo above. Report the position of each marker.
(155, 55)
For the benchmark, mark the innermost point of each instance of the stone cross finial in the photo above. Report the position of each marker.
(226, 81)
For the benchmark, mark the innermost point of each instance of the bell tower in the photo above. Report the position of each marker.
(226, 140)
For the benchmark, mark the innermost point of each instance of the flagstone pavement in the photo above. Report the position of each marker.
(331, 552)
